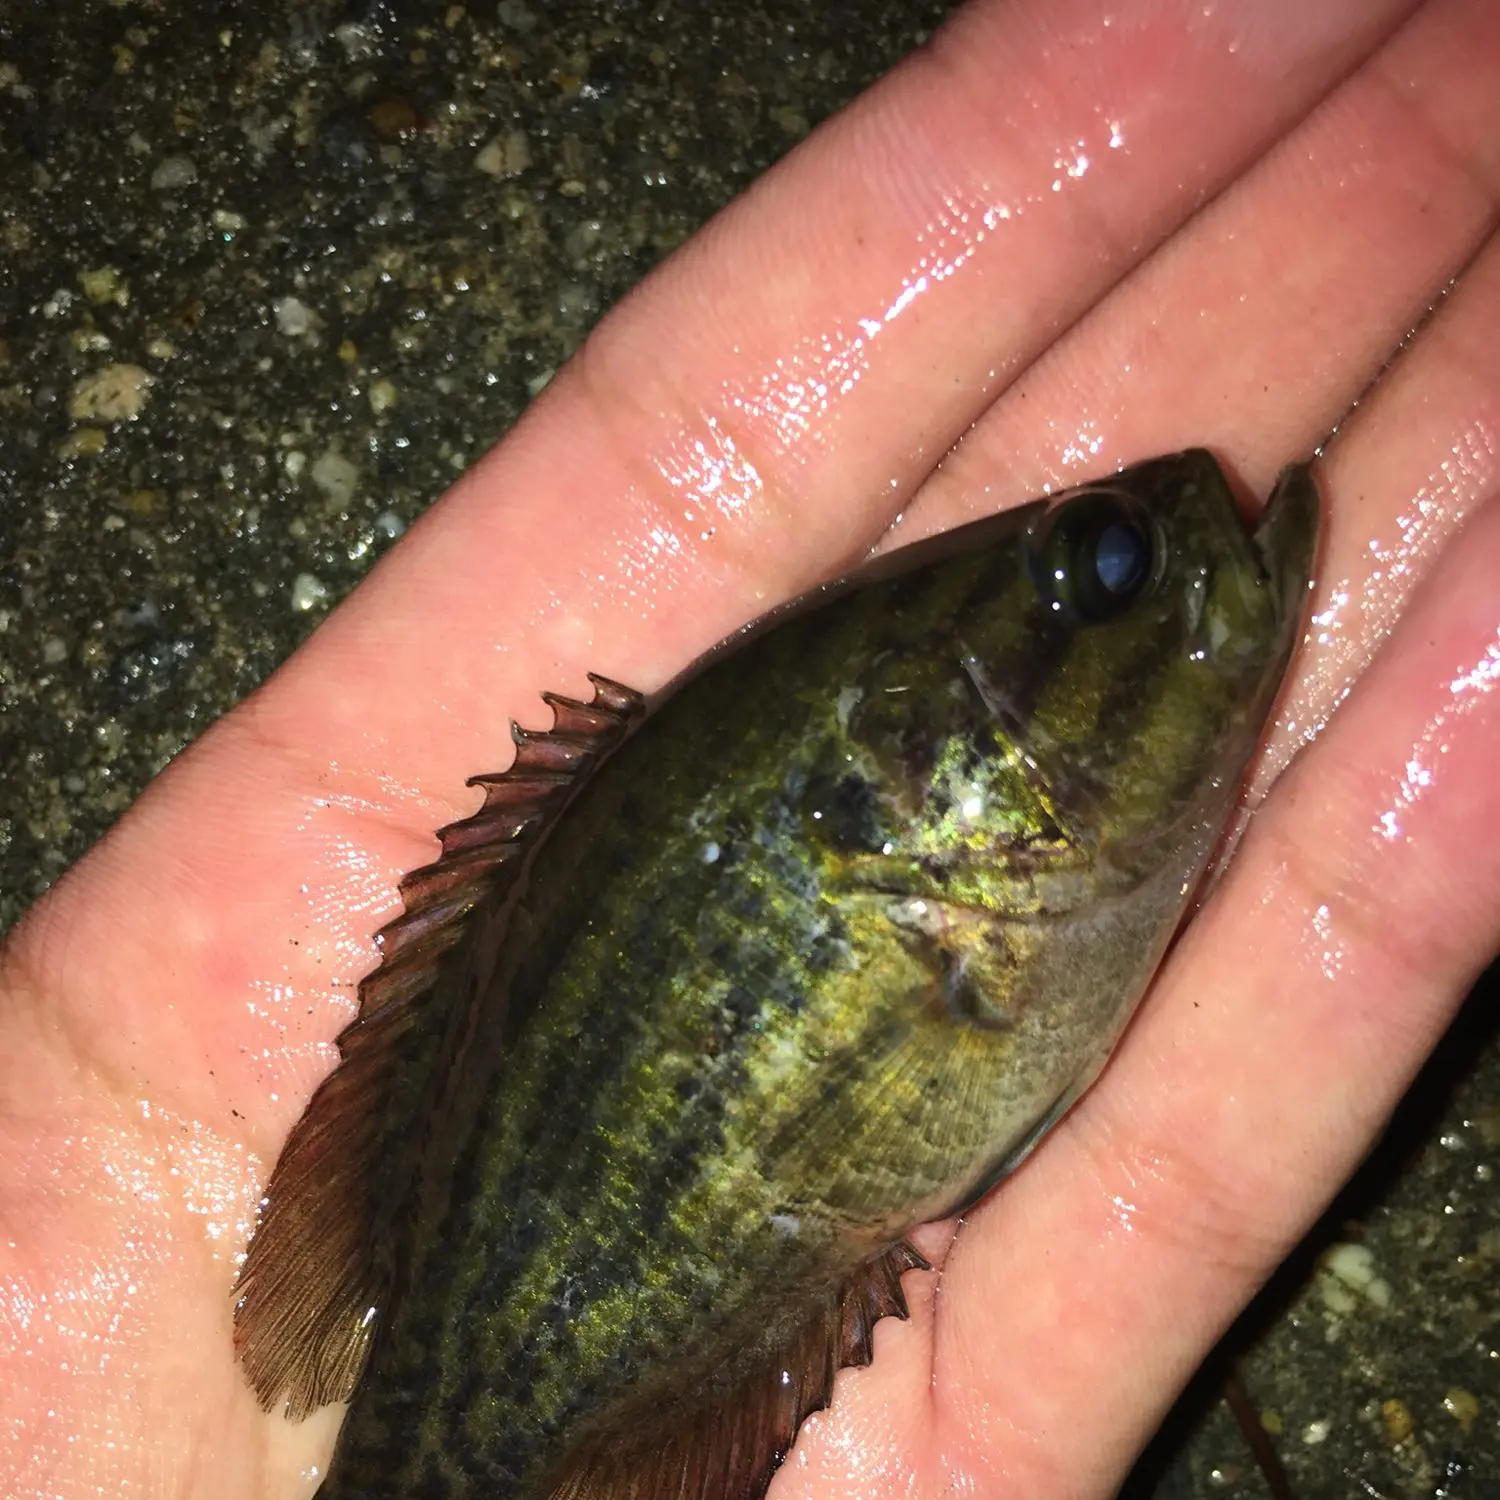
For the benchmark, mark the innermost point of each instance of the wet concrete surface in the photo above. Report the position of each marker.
(274, 274)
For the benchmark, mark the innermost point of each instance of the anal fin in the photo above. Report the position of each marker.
(727, 1444)
(322, 1259)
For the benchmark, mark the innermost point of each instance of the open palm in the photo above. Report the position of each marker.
(1006, 243)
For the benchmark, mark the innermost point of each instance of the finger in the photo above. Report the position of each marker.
(1300, 354)
(1409, 488)
(1291, 289)
(203, 957)
(1283, 1031)
(725, 437)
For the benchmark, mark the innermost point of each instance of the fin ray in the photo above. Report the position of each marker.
(728, 1446)
(323, 1256)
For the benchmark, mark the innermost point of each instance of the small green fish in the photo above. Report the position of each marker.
(703, 1012)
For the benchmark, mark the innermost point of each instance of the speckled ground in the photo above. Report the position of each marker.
(273, 274)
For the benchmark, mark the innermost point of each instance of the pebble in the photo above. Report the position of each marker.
(174, 172)
(1397, 1418)
(1346, 1273)
(1462, 1406)
(394, 118)
(140, 614)
(505, 155)
(293, 316)
(308, 591)
(114, 394)
(110, 737)
(1485, 1123)
(84, 442)
(104, 284)
(335, 476)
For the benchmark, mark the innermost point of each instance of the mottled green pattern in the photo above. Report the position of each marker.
(803, 966)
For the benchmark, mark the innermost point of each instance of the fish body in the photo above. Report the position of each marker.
(813, 955)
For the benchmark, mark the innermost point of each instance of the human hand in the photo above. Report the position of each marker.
(789, 381)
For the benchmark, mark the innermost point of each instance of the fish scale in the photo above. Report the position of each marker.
(695, 1021)
(523, 1160)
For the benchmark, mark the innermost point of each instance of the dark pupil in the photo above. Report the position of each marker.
(1120, 559)
(1093, 557)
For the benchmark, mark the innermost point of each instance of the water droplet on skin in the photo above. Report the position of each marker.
(1083, 447)
(706, 467)
(1331, 951)
(803, 385)
(1467, 689)
(1357, 612)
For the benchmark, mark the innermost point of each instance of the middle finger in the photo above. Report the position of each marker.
(1257, 326)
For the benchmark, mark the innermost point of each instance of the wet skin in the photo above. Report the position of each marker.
(817, 955)
(1364, 897)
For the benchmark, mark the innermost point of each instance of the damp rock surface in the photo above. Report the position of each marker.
(346, 244)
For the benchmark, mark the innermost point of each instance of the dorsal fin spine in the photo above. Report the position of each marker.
(322, 1256)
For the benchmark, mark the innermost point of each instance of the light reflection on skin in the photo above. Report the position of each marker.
(1124, 1212)
(795, 404)
(1331, 957)
(147, 1178)
(1083, 447)
(710, 473)
(797, 399)
(855, 1458)
(348, 888)
(790, 411)
(346, 892)
(1356, 612)
(1467, 690)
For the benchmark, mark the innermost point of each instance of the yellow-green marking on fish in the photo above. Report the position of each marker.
(706, 1010)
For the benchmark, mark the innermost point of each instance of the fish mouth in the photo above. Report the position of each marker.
(1286, 538)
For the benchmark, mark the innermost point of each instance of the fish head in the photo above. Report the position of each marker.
(1048, 805)
(1160, 626)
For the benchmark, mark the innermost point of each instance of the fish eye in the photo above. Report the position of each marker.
(1093, 556)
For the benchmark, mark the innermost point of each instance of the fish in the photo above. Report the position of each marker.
(720, 995)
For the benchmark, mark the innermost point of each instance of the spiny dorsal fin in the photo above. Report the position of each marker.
(728, 1446)
(321, 1261)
